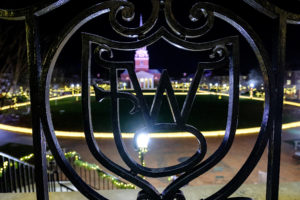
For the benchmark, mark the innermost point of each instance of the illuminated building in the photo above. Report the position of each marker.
(148, 78)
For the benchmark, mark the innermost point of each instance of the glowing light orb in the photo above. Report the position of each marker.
(142, 140)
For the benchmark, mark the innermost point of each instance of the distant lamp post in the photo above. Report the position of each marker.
(14, 99)
(77, 91)
(72, 88)
(124, 85)
(251, 90)
(141, 142)
(217, 87)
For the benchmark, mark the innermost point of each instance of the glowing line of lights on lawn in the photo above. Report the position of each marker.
(17, 105)
(243, 131)
(78, 134)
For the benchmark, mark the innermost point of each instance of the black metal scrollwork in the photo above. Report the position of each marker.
(198, 11)
(224, 53)
(150, 117)
(127, 10)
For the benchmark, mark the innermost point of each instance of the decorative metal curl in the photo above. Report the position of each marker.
(220, 51)
(92, 144)
(198, 11)
(101, 93)
(127, 11)
(150, 126)
(180, 118)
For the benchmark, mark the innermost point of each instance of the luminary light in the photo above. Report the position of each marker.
(142, 140)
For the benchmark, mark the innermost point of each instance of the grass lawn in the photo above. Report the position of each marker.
(209, 113)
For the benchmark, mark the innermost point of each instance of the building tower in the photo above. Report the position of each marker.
(141, 56)
(148, 78)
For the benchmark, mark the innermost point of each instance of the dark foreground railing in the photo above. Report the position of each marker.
(18, 176)
(15, 175)
(90, 176)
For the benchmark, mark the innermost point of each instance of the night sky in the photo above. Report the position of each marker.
(162, 54)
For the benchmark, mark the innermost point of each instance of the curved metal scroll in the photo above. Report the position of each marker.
(149, 116)
(49, 63)
(194, 166)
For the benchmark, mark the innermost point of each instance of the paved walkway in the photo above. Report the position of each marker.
(288, 191)
(9, 137)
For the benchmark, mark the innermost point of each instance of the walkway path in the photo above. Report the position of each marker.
(172, 150)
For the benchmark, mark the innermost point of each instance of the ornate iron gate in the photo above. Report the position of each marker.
(224, 53)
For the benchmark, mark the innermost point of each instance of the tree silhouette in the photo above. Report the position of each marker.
(13, 65)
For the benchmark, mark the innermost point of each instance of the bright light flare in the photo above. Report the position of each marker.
(142, 140)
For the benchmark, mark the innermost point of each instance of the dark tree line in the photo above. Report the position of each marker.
(13, 64)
